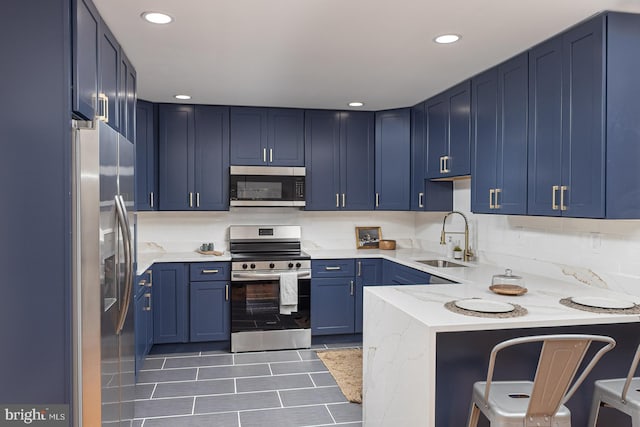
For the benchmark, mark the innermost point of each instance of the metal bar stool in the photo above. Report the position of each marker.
(622, 394)
(539, 402)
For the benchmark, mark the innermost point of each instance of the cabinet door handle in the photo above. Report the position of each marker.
(377, 199)
(226, 292)
(329, 268)
(151, 199)
(270, 155)
(142, 282)
(337, 200)
(210, 271)
(421, 200)
(351, 283)
(343, 200)
(441, 164)
(496, 200)
(148, 296)
(554, 206)
(445, 162)
(563, 207)
(492, 192)
(190, 200)
(197, 200)
(359, 268)
(103, 107)
(150, 272)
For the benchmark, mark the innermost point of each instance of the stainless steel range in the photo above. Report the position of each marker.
(270, 289)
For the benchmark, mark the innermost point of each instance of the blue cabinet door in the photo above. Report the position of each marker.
(209, 311)
(393, 152)
(332, 305)
(458, 162)
(176, 139)
(127, 102)
(448, 130)
(357, 160)
(511, 179)
(211, 158)
(146, 157)
(545, 127)
(109, 73)
(368, 273)
(170, 303)
(500, 103)
(285, 139)
(425, 195)
(248, 136)
(86, 39)
(583, 143)
(322, 152)
(485, 141)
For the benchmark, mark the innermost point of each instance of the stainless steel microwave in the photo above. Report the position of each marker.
(266, 186)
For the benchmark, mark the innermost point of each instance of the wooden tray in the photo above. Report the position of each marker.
(216, 253)
(508, 289)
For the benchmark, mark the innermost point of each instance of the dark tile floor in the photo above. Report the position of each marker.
(287, 388)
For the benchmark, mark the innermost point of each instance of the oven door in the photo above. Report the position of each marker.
(255, 306)
(256, 321)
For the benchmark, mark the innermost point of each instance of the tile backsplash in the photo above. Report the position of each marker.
(602, 253)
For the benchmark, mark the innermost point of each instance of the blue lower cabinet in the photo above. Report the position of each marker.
(396, 274)
(332, 306)
(368, 273)
(170, 303)
(209, 311)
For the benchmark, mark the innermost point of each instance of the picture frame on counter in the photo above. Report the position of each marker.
(368, 237)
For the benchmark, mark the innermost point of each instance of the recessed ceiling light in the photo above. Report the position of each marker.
(447, 38)
(182, 96)
(156, 17)
(356, 104)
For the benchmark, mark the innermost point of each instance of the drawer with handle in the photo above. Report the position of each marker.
(332, 268)
(204, 271)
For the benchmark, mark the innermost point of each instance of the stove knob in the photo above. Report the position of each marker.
(298, 265)
(272, 265)
(253, 266)
(244, 266)
(290, 265)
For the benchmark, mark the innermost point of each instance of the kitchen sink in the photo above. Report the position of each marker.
(440, 263)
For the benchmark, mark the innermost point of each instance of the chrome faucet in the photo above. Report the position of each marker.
(467, 252)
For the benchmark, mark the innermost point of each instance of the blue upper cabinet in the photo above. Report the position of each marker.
(193, 145)
(393, 152)
(267, 136)
(566, 116)
(448, 133)
(86, 41)
(146, 157)
(127, 99)
(339, 149)
(109, 73)
(425, 195)
(500, 103)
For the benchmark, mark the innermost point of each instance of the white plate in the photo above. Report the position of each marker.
(601, 302)
(484, 305)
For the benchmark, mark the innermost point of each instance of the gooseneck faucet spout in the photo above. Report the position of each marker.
(467, 252)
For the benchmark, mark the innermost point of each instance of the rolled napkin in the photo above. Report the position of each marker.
(288, 292)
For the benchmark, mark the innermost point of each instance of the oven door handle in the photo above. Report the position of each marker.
(265, 276)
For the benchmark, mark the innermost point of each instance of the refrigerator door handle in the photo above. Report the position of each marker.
(123, 222)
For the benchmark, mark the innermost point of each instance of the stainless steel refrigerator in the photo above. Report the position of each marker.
(104, 352)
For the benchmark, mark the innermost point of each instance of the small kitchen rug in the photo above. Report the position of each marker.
(345, 365)
(517, 311)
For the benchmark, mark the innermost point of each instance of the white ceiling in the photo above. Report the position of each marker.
(325, 53)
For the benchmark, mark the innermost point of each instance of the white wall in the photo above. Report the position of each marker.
(603, 253)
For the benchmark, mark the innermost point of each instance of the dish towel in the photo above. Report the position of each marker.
(288, 292)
